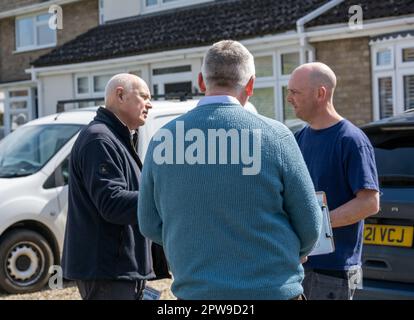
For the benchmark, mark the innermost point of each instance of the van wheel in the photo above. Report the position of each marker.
(25, 258)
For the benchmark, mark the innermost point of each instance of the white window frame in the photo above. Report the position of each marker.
(36, 24)
(163, 79)
(374, 58)
(274, 67)
(278, 80)
(269, 84)
(400, 48)
(400, 84)
(279, 59)
(165, 6)
(376, 104)
(8, 112)
(397, 70)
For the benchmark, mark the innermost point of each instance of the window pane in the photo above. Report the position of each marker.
(289, 62)
(18, 93)
(264, 66)
(83, 86)
(24, 32)
(409, 92)
(1, 115)
(385, 97)
(408, 54)
(288, 112)
(264, 101)
(27, 150)
(178, 88)
(150, 2)
(168, 70)
(43, 17)
(394, 152)
(384, 57)
(45, 35)
(18, 105)
(166, 1)
(18, 120)
(99, 82)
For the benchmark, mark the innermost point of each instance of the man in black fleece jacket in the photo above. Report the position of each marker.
(103, 250)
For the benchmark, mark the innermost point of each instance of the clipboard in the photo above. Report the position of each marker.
(325, 243)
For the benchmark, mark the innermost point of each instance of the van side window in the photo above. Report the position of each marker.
(60, 177)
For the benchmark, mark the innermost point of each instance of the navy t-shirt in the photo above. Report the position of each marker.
(341, 162)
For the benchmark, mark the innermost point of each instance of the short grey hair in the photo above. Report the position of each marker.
(124, 80)
(227, 64)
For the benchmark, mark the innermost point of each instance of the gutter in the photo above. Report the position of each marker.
(33, 8)
(300, 27)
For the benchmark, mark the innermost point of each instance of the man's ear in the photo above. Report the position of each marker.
(322, 93)
(119, 92)
(201, 83)
(249, 86)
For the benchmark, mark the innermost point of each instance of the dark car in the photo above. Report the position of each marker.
(388, 255)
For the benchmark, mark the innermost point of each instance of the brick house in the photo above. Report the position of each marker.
(164, 41)
(24, 37)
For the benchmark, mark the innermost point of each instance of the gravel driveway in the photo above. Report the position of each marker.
(70, 292)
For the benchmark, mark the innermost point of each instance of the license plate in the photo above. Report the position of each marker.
(386, 235)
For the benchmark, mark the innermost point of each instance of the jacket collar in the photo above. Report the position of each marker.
(111, 120)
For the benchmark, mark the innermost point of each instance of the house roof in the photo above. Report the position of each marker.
(372, 9)
(204, 24)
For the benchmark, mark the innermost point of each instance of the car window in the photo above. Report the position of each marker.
(28, 149)
(59, 177)
(394, 153)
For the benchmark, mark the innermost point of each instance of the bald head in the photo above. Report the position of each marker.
(125, 81)
(317, 75)
(128, 97)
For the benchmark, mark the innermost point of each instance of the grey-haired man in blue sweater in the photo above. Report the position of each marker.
(227, 193)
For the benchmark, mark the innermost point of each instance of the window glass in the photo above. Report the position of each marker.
(99, 82)
(18, 93)
(394, 152)
(83, 85)
(289, 62)
(385, 97)
(24, 32)
(150, 2)
(14, 105)
(288, 112)
(264, 101)
(168, 70)
(383, 57)
(409, 92)
(45, 35)
(28, 149)
(264, 66)
(408, 55)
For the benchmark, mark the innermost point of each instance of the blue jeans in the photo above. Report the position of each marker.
(326, 285)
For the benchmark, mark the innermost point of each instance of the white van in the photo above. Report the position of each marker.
(34, 195)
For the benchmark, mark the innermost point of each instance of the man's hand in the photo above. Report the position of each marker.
(303, 259)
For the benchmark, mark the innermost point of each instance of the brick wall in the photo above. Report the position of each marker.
(78, 17)
(350, 60)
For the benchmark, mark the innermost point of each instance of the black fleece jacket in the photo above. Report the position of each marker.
(102, 238)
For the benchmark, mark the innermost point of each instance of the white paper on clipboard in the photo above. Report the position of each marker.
(325, 242)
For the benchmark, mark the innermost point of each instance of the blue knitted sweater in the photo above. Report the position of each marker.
(229, 235)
